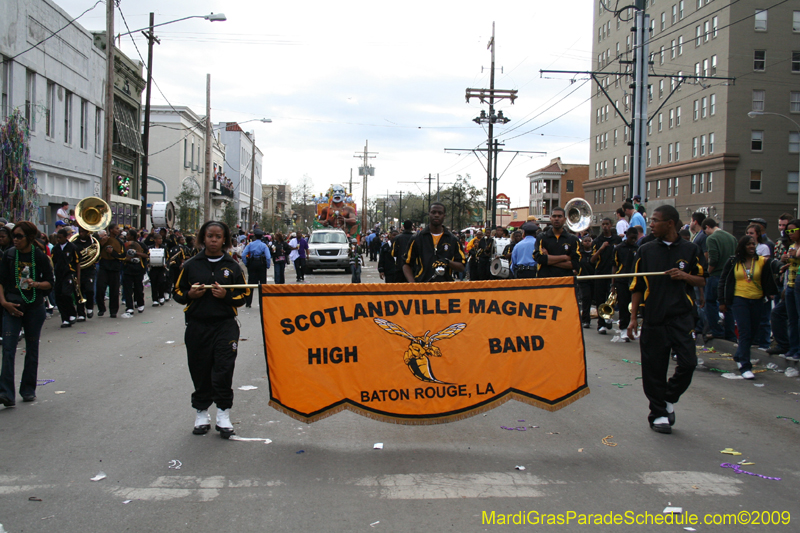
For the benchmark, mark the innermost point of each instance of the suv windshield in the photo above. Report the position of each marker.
(328, 238)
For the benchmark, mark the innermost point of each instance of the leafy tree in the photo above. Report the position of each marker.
(188, 203)
(464, 203)
(230, 216)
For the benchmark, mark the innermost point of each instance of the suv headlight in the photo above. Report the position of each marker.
(312, 252)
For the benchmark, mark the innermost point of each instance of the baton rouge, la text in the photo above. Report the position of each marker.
(332, 315)
(422, 393)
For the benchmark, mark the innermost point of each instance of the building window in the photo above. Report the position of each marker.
(604, 195)
(795, 62)
(758, 100)
(5, 87)
(68, 117)
(710, 143)
(672, 49)
(648, 189)
(694, 183)
(755, 180)
(624, 163)
(706, 31)
(663, 21)
(605, 140)
(702, 146)
(694, 146)
(714, 25)
(660, 121)
(680, 45)
(705, 67)
(796, 21)
(791, 181)
(713, 103)
(756, 141)
(624, 192)
(669, 153)
(661, 56)
(605, 168)
(625, 131)
(614, 167)
(649, 156)
(759, 60)
(596, 170)
(49, 112)
(191, 158)
(669, 186)
(615, 137)
(671, 118)
(677, 151)
(794, 142)
(570, 186)
(674, 14)
(697, 69)
(761, 25)
(98, 129)
(658, 155)
(710, 180)
(649, 128)
(84, 117)
(702, 182)
(696, 110)
(698, 35)
(660, 89)
(794, 102)
(680, 10)
(658, 189)
(704, 107)
(596, 143)
(676, 187)
(713, 65)
(30, 99)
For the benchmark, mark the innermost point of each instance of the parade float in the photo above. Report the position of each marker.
(336, 209)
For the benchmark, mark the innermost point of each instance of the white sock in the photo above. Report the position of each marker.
(661, 420)
(670, 408)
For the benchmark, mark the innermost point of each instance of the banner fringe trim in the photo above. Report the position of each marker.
(432, 421)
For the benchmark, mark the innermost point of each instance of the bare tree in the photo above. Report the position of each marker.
(302, 205)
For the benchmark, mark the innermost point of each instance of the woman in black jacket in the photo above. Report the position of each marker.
(746, 279)
(280, 254)
(212, 332)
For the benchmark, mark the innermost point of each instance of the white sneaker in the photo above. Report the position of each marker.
(140, 308)
(603, 330)
(748, 375)
(166, 297)
(224, 425)
(755, 361)
(127, 315)
(202, 422)
(155, 304)
(90, 313)
(81, 319)
(129, 311)
(161, 301)
(739, 366)
(623, 336)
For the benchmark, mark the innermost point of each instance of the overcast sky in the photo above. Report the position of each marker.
(332, 75)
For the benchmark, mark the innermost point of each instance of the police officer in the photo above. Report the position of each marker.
(522, 263)
(435, 252)
(256, 258)
(668, 321)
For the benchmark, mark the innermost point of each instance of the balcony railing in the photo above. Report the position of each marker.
(222, 189)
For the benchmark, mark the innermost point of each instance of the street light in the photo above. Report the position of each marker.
(754, 114)
(212, 17)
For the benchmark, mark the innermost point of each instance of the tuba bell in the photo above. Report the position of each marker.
(578, 213)
(92, 214)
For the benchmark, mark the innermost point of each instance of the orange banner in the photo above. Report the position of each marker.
(422, 353)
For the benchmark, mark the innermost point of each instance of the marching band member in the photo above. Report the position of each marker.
(435, 253)
(386, 263)
(25, 278)
(111, 255)
(212, 332)
(400, 249)
(88, 275)
(159, 282)
(133, 270)
(587, 287)
(624, 257)
(668, 321)
(558, 251)
(177, 255)
(603, 258)
(67, 270)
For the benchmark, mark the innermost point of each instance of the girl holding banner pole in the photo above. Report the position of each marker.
(212, 331)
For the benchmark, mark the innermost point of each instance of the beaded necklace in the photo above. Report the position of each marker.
(33, 275)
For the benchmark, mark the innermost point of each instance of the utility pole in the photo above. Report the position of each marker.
(365, 171)
(109, 103)
(146, 136)
(252, 177)
(209, 133)
(400, 209)
(490, 96)
(641, 59)
(429, 192)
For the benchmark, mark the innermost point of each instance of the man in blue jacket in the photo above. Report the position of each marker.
(256, 258)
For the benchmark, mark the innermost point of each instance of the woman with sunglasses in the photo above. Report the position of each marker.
(26, 276)
(746, 279)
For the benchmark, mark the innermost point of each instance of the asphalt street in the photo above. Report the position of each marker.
(119, 404)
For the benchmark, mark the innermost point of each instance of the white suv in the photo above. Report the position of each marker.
(328, 248)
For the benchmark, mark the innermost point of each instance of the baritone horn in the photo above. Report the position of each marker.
(578, 213)
(606, 309)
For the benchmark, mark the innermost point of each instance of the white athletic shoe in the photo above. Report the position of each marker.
(748, 375)
(129, 311)
(161, 301)
(140, 309)
(155, 304)
(166, 296)
(90, 313)
(603, 330)
(81, 319)
(623, 336)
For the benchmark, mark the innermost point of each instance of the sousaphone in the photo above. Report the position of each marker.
(92, 214)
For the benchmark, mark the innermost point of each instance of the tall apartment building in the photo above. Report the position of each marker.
(237, 167)
(704, 153)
